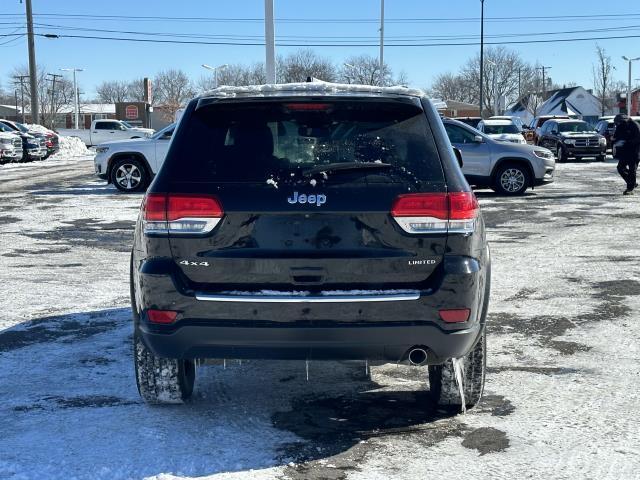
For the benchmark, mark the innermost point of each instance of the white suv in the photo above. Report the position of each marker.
(131, 164)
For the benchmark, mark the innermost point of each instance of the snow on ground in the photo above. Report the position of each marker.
(71, 147)
(563, 366)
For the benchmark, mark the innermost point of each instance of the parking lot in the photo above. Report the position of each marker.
(563, 367)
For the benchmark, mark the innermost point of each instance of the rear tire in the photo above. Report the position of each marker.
(512, 179)
(443, 387)
(159, 380)
(162, 381)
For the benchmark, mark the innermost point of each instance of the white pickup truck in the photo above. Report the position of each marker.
(131, 164)
(107, 130)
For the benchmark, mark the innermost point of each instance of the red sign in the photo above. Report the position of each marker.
(131, 112)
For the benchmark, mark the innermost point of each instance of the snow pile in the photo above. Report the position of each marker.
(309, 88)
(71, 147)
(34, 127)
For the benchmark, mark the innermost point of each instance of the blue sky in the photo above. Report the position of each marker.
(105, 60)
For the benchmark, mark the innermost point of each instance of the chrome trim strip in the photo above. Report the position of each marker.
(396, 297)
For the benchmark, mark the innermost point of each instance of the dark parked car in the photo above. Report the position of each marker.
(317, 222)
(33, 148)
(51, 139)
(572, 139)
(471, 121)
(606, 127)
(533, 132)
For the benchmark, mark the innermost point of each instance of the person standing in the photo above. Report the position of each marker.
(626, 139)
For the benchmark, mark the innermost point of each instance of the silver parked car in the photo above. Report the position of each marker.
(507, 168)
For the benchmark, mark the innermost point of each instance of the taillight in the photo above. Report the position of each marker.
(454, 212)
(180, 213)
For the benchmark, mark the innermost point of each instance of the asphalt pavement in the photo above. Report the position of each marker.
(563, 368)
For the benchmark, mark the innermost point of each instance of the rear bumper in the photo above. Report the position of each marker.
(214, 325)
(389, 342)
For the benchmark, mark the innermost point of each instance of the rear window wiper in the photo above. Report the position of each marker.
(345, 166)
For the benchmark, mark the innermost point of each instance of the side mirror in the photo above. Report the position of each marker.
(478, 139)
(554, 132)
(458, 153)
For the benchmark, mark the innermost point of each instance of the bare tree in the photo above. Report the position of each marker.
(172, 89)
(135, 90)
(234, 75)
(52, 100)
(449, 86)
(6, 97)
(402, 78)
(113, 91)
(602, 71)
(299, 65)
(501, 67)
(365, 70)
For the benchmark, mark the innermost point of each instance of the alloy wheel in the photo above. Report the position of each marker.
(128, 176)
(512, 180)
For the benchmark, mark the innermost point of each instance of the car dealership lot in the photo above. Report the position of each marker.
(562, 384)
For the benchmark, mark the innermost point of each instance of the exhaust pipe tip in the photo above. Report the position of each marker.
(417, 356)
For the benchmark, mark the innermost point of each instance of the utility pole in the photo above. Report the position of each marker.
(20, 79)
(381, 43)
(519, 83)
(75, 93)
(53, 96)
(35, 112)
(15, 92)
(481, 52)
(544, 81)
(269, 42)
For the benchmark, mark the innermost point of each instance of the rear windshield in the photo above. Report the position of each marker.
(285, 141)
(500, 129)
(574, 127)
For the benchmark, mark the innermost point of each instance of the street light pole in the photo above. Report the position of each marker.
(75, 94)
(481, 52)
(381, 43)
(269, 42)
(494, 86)
(630, 60)
(215, 71)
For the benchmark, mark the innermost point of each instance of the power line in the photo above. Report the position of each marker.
(329, 39)
(12, 41)
(585, 17)
(199, 42)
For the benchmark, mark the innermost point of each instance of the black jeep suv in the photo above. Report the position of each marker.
(315, 222)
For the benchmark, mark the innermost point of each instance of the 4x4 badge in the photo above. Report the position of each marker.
(194, 264)
(318, 199)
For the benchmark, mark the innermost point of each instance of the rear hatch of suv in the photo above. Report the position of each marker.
(303, 195)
